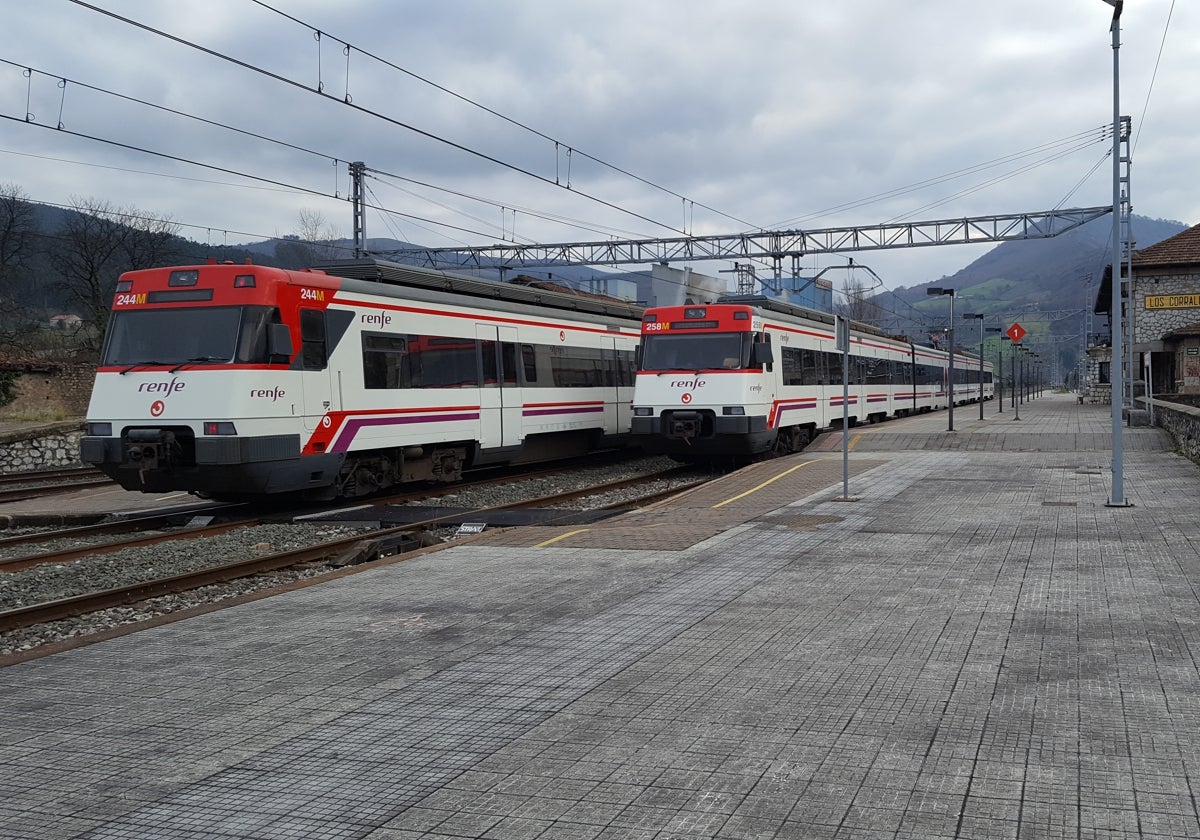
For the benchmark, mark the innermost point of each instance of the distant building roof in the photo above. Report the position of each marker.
(1181, 249)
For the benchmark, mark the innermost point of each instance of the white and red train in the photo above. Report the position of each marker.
(237, 381)
(748, 376)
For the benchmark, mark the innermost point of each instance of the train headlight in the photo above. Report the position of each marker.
(734, 411)
(643, 411)
(99, 429)
(219, 427)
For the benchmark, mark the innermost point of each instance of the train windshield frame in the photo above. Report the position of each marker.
(189, 335)
(696, 351)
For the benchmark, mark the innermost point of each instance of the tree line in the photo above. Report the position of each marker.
(66, 261)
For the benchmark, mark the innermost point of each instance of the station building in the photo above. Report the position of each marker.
(1163, 300)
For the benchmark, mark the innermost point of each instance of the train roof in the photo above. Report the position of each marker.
(776, 305)
(398, 274)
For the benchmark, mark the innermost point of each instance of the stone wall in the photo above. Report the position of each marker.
(55, 392)
(43, 447)
(1150, 325)
(1181, 285)
(1183, 423)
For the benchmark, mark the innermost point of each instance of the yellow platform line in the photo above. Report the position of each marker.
(764, 484)
(553, 540)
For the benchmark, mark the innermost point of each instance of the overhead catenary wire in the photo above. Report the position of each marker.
(406, 71)
(571, 149)
(60, 127)
(376, 114)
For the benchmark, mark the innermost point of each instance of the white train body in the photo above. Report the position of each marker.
(747, 376)
(239, 381)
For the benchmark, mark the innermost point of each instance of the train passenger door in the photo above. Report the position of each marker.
(500, 404)
(314, 362)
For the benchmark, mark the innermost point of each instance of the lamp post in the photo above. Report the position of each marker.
(1000, 367)
(938, 290)
(1016, 383)
(978, 316)
(1114, 317)
(1026, 358)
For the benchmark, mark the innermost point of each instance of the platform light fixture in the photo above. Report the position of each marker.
(939, 290)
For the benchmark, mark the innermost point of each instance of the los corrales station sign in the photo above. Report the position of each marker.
(1172, 301)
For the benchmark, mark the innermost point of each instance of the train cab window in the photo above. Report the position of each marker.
(252, 343)
(312, 339)
(761, 353)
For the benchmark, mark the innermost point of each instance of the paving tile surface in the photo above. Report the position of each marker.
(976, 646)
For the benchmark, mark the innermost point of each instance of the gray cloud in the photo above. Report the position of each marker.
(772, 113)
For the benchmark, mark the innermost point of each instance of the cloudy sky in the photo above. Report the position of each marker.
(584, 120)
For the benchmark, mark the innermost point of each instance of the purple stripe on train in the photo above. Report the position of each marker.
(346, 436)
(807, 405)
(542, 412)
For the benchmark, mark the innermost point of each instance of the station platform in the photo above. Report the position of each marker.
(973, 642)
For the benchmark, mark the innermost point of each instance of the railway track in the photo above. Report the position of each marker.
(243, 516)
(360, 550)
(15, 487)
(40, 476)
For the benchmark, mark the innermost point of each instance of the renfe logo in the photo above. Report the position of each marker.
(264, 394)
(688, 384)
(164, 388)
(377, 319)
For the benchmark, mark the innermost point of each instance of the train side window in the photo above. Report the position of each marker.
(576, 367)
(793, 366)
(529, 364)
(490, 363)
(508, 363)
(627, 367)
(383, 357)
(312, 339)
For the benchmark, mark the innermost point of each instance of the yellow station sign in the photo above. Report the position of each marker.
(1172, 301)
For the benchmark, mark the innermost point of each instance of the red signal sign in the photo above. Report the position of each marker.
(1016, 332)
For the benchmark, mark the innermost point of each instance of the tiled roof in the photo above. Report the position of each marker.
(1181, 249)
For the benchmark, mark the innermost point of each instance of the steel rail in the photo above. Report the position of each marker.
(353, 550)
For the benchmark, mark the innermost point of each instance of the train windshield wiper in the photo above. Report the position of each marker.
(141, 364)
(196, 359)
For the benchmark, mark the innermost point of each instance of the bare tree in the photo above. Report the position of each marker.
(314, 241)
(859, 302)
(17, 230)
(99, 243)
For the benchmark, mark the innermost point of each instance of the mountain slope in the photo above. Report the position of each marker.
(1049, 286)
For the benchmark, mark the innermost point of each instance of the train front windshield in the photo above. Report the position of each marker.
(214, 335)
(696, 351)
